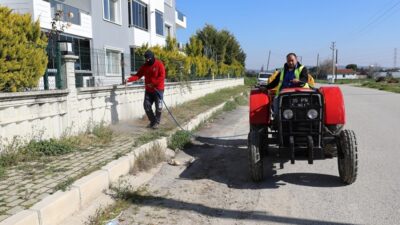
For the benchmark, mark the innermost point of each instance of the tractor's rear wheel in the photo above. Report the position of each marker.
(255, 155)
(347, 156)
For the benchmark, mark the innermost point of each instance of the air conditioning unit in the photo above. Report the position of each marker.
(88, 82)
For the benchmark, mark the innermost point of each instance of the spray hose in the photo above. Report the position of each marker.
(178, 124)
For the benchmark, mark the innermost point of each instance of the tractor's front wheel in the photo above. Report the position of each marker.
(347, 156)
(255, 157)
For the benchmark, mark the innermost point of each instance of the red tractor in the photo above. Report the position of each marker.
(308, 125)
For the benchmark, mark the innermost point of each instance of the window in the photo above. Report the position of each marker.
(138, 16)
(113, 62)
(168, 30)
(69, 13)
(136, 60)
(112, 10)
(81, 48)
(181, 16)
(159, 23)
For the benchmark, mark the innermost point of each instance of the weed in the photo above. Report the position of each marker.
(104, 214)
(49, 147)
(2, 171)
(149, 136)
(124, 196)
(118, 155)
(63, 186)
(103, 133)
(67, 183)
(241, 100)
(229, 106)
(149, 159)
(179, 140)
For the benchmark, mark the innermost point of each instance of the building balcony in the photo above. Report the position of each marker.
(180, 19)
(75, 21)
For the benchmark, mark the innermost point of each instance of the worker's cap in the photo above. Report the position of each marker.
(148, 54)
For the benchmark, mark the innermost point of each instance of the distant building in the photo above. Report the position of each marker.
(344, 74)
(105, 33)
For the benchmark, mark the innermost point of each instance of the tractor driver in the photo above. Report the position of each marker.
(293, 74)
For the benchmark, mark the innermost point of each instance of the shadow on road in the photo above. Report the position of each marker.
(264, 217)
(226, 161)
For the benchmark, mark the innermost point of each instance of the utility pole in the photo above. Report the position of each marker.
(316, 75)
(269, 55)
(336, 64)
(395, 58)
(333, 48)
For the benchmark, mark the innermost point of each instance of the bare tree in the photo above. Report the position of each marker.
(373, 70)
(324, 69)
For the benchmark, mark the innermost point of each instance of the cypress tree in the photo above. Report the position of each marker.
(23, 58)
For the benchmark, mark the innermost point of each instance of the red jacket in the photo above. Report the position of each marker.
(154, 75)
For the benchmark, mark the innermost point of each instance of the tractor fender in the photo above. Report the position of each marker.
(259, 108)
(334, 109)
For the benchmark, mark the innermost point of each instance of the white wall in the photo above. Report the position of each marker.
(341, 76)
(56, 112)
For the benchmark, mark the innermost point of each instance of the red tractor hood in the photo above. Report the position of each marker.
(297, 89)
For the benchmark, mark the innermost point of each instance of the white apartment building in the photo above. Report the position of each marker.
(105, 33)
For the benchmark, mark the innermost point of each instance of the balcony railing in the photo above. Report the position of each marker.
(181, 16)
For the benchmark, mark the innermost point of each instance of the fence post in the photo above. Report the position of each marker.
(68, 76)
(68, 72)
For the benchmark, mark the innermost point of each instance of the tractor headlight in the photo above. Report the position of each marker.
(288, 114)
(312, 114)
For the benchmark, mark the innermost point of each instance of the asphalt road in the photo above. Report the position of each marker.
(216, 188)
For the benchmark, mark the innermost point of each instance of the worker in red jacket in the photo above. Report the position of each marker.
(153, 71)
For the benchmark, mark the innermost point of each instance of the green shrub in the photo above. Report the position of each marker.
(49, 147)
(179, 140)
(180, 67)
(23, 58)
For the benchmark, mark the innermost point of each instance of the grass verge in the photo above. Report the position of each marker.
(19, 151)
(384, 86)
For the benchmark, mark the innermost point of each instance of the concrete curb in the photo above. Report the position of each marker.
(57, 207)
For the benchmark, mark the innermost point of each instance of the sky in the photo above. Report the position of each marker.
(366, 32)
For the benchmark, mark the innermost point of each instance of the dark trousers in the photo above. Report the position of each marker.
(149, 99)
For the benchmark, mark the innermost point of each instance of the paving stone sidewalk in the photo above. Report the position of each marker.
(28, 183)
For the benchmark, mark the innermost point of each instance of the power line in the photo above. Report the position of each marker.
(375, 20)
